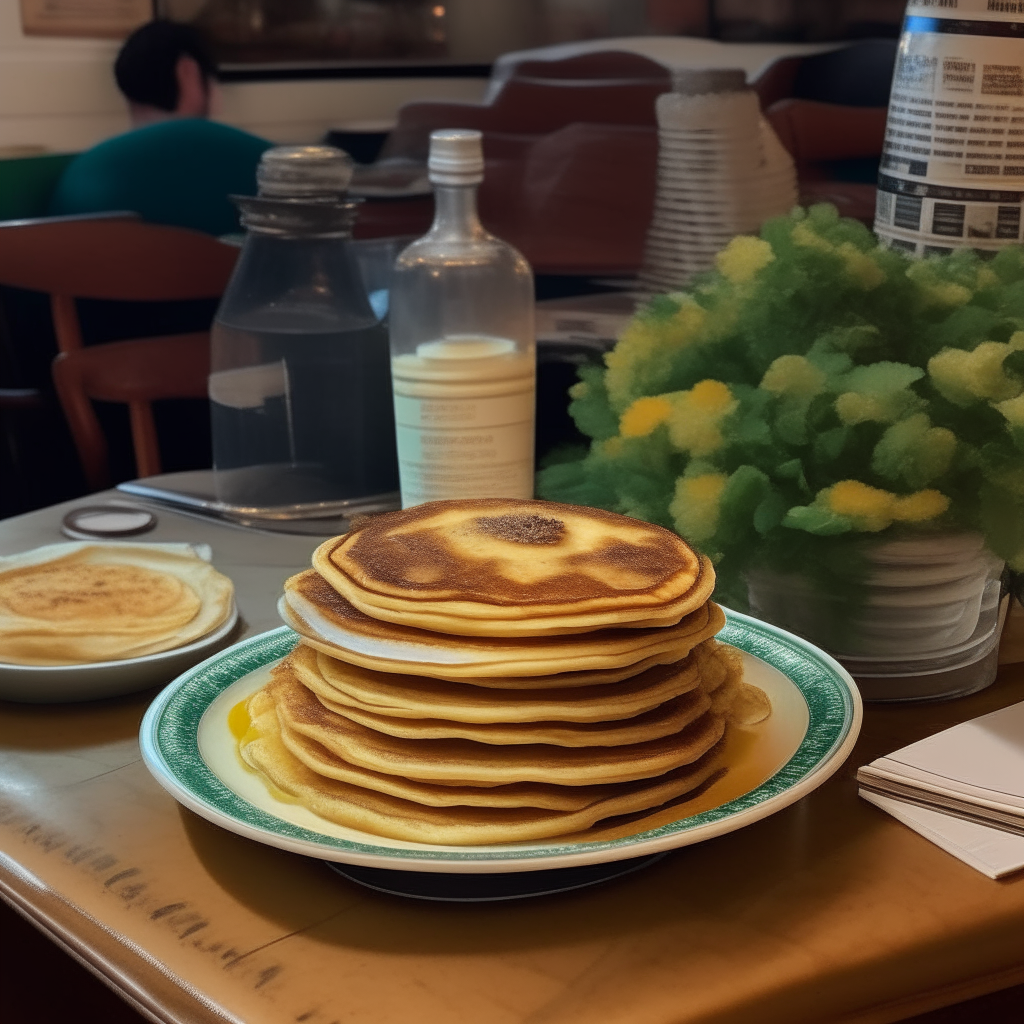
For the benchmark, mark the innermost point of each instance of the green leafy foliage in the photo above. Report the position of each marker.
(813, 393)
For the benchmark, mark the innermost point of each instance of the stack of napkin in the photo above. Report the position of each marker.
(963, 789)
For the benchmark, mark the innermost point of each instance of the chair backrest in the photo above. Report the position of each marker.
(814, 132)
(135, 373)
(857, 74)
(110, 258)
(606, 87)
(570, 220)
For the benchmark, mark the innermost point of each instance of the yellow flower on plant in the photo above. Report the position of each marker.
(919, 507)
(644, 415)
(793, 375)
(612, 447)
(712, 397)
(948, 293)
(987, 278)
(694, 425)
(1013, 410)
(803, 234)
(861, 267)
(872, 509)
(695, 506)
(855, 500)
(648, 340)
(743, 258)
(852, 407)
(934, 292)
(879, 392)
(964, 377)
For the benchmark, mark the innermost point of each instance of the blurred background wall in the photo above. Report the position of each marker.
(294, 68)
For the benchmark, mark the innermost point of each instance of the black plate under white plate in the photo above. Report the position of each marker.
(488, 888)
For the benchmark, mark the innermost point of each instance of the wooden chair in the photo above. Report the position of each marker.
(606, 87)
(117, 258)
(121, 260)
(136, 373)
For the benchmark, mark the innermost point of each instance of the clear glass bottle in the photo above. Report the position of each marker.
(300, 386)
(463, 353)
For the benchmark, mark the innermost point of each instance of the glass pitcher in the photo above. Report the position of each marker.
(300, 383)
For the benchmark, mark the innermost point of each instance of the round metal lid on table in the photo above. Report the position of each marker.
(107, 522)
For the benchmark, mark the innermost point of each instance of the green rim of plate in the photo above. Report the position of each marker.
(170, 746)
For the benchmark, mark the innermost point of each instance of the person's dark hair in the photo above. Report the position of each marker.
(145, 67)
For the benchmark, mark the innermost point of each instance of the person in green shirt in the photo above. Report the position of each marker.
(174, 166)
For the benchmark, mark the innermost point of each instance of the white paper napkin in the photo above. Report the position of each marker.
(991, 851)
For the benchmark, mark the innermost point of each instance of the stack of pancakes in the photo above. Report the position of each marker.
(489, 670)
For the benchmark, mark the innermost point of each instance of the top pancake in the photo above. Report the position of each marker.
(85, 603)
(499, 567)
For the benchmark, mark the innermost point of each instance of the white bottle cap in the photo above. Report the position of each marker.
(456, 157)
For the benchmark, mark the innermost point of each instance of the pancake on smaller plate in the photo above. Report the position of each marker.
(501, 567)
(72, 604)
(331, 624)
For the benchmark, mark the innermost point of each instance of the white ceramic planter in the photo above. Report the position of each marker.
(929, 626)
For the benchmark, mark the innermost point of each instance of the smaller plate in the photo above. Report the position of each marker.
(54, 684)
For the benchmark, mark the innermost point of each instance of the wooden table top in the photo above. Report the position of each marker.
(829, 910)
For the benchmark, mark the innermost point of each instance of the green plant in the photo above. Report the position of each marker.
(813, 392)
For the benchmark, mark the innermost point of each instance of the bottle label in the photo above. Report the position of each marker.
(462, 447)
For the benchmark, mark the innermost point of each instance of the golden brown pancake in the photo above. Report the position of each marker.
(319, 759)
(738, 702)
(712, 665)
(341, 792)
(107, 602)
(419, 697)
(497, 567)
(331, 624)
(73, 595)
(665, 720)
(465, 762)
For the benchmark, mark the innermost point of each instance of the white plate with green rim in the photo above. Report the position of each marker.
(188, 745)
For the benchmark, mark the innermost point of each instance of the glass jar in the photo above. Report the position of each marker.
(300, 386)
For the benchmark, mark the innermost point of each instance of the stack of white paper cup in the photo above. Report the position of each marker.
(721, 172)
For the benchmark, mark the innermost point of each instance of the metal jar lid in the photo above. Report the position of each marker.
(302, 193)
(304, 171)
